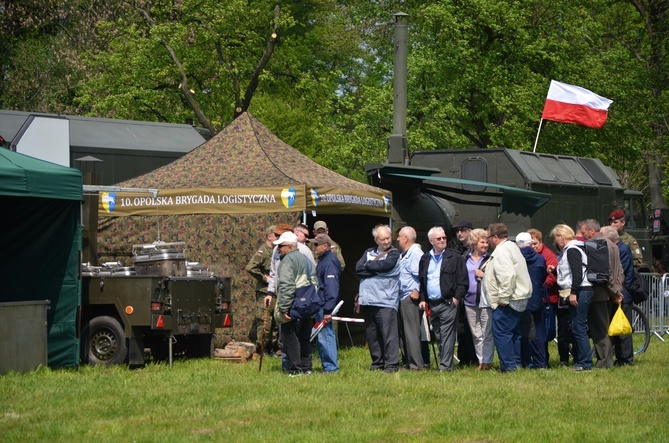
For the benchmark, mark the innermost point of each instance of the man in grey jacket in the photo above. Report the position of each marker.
(599, 314)
(379, 271)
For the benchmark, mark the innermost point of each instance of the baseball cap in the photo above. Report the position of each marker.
(616, 215)
(523, 239)
(286, 237)
(320, 239)
(320, 224)
(463, 225)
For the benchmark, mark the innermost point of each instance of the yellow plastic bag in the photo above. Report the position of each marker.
(620, 325)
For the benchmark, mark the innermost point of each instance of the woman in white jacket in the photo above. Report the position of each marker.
(578, 290)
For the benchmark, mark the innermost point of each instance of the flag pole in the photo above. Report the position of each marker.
(538, 132)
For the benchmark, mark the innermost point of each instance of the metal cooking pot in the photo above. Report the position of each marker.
(160, 259)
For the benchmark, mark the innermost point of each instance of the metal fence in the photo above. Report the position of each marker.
(657, 305)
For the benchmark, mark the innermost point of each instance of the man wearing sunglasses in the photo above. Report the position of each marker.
(444, 282)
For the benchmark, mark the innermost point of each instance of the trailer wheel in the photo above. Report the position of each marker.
(104, 342)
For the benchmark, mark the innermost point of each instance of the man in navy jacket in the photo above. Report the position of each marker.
(533, 350)
(328, 271)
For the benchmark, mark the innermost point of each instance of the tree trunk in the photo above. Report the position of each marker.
(655, 15)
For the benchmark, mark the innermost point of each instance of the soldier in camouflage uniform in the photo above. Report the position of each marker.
(258, 267)
(617, 220)
(320, 227)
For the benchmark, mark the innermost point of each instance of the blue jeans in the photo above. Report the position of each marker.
(579, 328)
(507, 334)
(327, 345)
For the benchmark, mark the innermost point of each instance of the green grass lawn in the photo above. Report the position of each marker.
(212, 400)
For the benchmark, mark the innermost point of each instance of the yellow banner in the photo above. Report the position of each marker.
(203, 201)
(341, 201)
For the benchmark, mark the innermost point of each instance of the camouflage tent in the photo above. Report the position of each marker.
(222, 195)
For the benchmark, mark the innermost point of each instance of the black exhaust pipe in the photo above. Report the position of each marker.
(398, 150)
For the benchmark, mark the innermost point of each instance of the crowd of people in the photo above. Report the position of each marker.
(481, 291)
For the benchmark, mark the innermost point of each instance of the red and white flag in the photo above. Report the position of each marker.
(573, 104)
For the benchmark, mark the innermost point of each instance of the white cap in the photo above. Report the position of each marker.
(524, 239)
(286, 237)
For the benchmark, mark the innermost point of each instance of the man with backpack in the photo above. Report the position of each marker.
(292, 274)
(599, 314)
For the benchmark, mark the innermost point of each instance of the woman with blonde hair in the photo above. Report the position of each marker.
(574, 286)
(477, 308)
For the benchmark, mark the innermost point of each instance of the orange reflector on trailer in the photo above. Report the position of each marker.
(227, 322)
(160, 323)
(129, 310)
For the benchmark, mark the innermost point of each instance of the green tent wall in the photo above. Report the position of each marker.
(40, 222)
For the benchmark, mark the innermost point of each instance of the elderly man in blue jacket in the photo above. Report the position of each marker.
(328, 271)
(378, 296)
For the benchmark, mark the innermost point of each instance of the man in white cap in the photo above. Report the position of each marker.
(320, 227)
(293, 273)
(304, 249)
(272, 281)
(533, 349)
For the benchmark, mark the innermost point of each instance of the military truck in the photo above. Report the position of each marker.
(162, 304)
(521, 189)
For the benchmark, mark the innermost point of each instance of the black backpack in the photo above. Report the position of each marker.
(597, 270)
(638, 289)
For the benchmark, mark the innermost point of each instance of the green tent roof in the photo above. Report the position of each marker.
(24, 176)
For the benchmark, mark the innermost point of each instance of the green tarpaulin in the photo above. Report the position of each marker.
(514, 200)
(40, 203)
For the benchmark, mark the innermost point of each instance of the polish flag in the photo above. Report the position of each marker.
(573, 104)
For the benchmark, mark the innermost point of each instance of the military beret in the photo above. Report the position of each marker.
(616, 215)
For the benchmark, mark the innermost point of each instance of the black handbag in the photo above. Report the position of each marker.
(306, 303)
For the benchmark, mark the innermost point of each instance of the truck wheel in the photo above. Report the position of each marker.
(104, 342)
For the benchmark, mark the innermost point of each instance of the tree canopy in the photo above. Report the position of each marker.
(319, 72)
